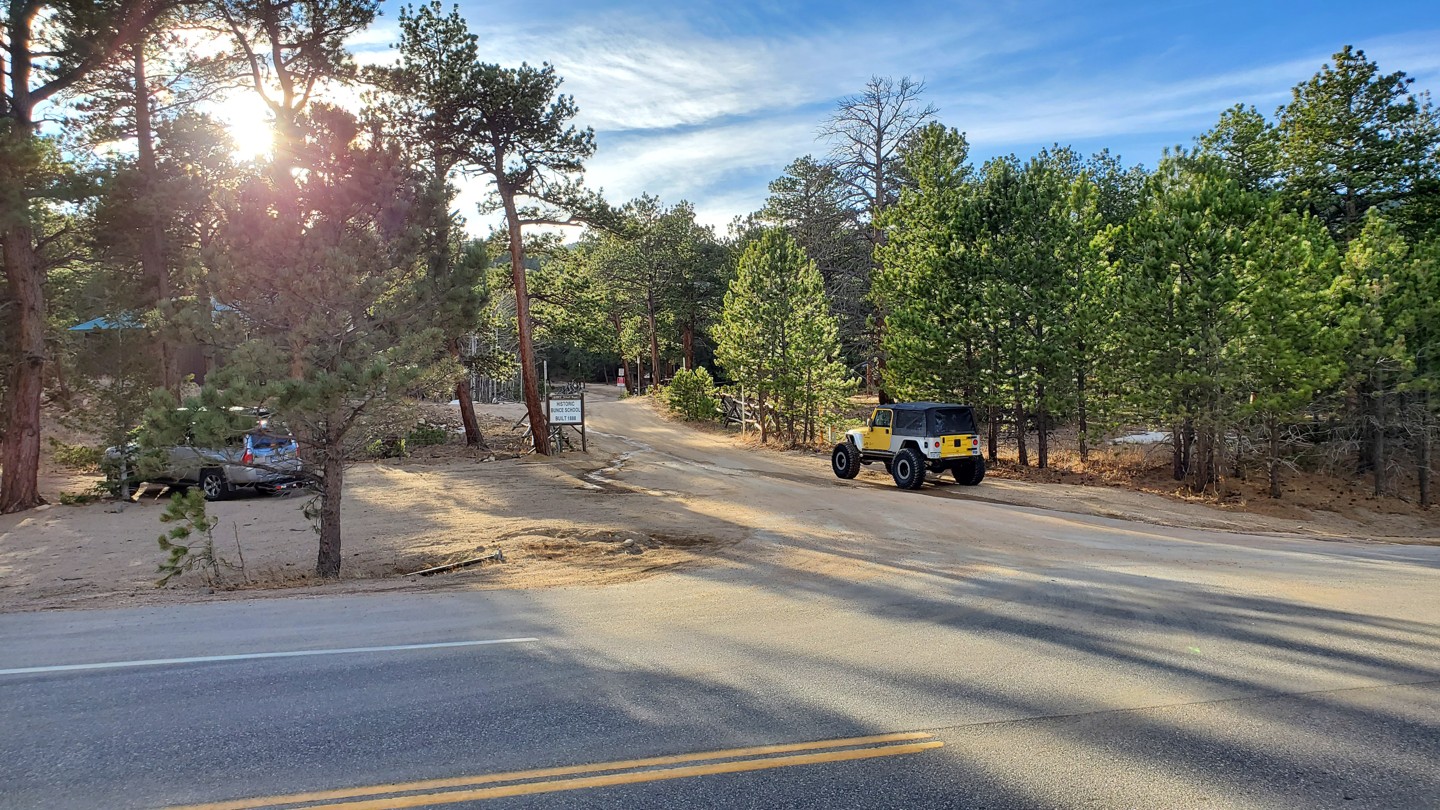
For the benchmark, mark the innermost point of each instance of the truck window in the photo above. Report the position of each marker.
(882, 419)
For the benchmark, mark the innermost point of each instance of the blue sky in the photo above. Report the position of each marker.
(708, 101)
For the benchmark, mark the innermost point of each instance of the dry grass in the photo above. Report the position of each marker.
(1147, 468)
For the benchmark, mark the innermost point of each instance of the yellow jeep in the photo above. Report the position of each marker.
(910, 438)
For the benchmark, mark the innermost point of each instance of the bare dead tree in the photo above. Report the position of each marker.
(867, 133)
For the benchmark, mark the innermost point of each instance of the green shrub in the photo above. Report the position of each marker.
(76, 457)
(386, 447)
(692, 394)
(426, 433)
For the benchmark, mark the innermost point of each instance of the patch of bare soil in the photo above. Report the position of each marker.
(501, 437)
(445, 504)
(399, 518)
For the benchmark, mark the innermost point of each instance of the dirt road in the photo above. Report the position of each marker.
(650, 496)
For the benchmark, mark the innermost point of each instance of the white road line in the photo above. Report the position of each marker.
(204, 659)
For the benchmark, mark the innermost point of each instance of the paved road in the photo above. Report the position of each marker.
(865, 647)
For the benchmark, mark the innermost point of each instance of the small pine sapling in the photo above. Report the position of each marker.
(188, 511)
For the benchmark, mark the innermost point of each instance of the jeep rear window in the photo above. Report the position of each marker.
(950, 421)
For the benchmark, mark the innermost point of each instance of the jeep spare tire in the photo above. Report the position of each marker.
(908, 469)
(970, 472)
(845, 460)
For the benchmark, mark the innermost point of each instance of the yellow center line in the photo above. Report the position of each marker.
(541, 773)
(610, 780)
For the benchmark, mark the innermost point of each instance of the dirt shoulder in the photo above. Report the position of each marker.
(554, 526)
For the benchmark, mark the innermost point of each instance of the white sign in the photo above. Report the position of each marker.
(567, 412)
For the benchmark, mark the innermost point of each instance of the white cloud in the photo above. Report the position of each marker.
(631, 74)
(685, 115)
(685, 164)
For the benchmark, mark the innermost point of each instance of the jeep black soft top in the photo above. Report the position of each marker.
(931, 418)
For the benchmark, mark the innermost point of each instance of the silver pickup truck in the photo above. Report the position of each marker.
(260, 459)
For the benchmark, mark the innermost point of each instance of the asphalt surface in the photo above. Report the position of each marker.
(1063, 661)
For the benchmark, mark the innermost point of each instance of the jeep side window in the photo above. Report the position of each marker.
(910, 423)
(882, 419)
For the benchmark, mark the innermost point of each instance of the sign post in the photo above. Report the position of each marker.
(568, 409)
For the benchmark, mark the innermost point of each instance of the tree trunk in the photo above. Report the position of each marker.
(654, 339)
(1022, 450)
(1204, 461)
(1377, 444)
(1080, 408)
(539, 427)
(1423, 473)
(992, 428)
(760, 417)
(473, 438)
(1177, 463)
(20, 451)
(1042, 439)
(152, 231)
(327, 563)
(20, 447)
(1188, 437)
(688, 340)
(1274, 461)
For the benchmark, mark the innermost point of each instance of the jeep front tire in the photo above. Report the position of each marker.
(845, 460)
(908, 469)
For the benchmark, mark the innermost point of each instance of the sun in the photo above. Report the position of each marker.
(249, 123)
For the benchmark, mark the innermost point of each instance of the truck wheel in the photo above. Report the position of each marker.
(908, 469)
(845, 460)
(970, 472)
(213, 484)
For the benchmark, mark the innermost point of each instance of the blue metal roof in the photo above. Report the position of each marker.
(125, 320)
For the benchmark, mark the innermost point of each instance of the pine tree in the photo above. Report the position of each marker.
(1389, 314)
(778, 340)
(422, 106)
(1286, 349)
(1176, 262)
(810, 201)
(928, 278)
(1353, 139)
(1246, 145)
(340, 292)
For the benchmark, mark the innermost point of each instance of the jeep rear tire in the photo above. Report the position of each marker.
(970, 471)
(845, 460)
(908, 469)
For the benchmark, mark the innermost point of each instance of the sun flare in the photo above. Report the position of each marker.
(248, 122)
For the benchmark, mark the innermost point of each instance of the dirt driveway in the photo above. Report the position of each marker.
(650, 496)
